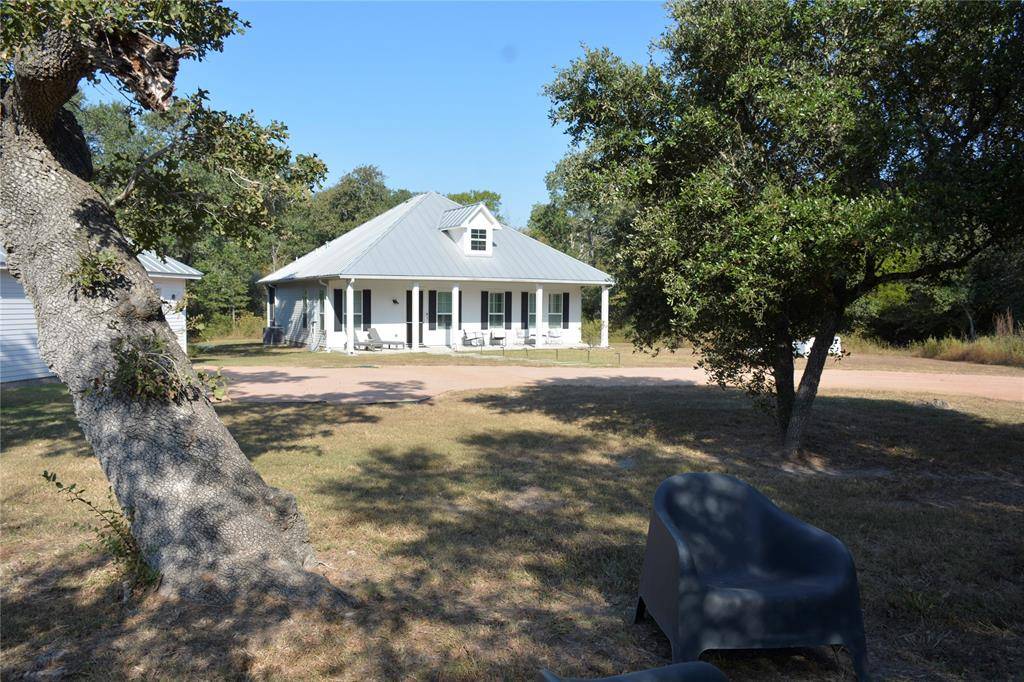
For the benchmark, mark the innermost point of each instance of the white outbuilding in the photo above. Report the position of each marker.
(19, 340)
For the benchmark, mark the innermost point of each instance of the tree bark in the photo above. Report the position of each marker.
(782, 371)
(809, 380)
(200, 512)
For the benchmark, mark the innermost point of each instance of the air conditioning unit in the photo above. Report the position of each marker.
(273, 336)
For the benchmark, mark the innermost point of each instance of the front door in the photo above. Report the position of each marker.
(408, 317)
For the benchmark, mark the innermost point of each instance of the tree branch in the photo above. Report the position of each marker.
(872, 280)
(145, 162)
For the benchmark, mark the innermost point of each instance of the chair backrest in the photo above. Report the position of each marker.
(719, 518)
(375, 335)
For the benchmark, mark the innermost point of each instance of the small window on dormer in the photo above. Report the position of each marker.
(478, 240)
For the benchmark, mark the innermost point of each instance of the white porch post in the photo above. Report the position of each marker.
(541, 320)
(455, 317)
(604, 317)
(350, 318)
(415, 316)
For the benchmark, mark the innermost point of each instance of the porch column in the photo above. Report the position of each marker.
(604, 317)
(415, 316)
(350, 317)
(456, 336)
(541, 320)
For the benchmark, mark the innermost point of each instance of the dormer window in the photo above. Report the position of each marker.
(472, 228)
(478, 240)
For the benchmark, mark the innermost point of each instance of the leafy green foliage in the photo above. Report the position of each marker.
(201, 25)
(144, 371)
(99, 273)
(191, 172)
(476, 196)
(779, 160)
(114, 533)
(359, 195)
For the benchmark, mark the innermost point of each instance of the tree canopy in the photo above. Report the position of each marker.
(780, 160)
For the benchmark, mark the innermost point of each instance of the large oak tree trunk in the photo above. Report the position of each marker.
(200, 512)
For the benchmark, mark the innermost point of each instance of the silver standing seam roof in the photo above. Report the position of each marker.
(408, 242)
(155, 266)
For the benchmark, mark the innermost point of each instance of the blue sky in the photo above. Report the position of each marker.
(440, 96)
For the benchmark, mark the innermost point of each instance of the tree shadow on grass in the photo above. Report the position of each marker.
(76, 620)
(260, 428)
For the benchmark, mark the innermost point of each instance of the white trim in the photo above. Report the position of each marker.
(578, 282)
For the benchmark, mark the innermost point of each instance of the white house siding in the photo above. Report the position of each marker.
(288, 310)
(172, 291)
(389, 317)
(19, 337)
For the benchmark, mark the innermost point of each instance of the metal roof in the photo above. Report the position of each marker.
(405, 242)
(167, 266)
(155, 266)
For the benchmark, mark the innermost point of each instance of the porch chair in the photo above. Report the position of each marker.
(727, 569)
(375, 338)
(498, 337)
(472, 338)
(366, 344)
(679, 672)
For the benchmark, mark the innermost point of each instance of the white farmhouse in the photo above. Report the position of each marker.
(19, 340)
(431, 272)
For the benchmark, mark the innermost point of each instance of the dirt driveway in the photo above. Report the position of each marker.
(414, 383)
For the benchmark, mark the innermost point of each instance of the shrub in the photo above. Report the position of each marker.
(590, 332)
(244, 326)
(114, 532)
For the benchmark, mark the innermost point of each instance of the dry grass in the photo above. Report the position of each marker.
(234, 353)
(1005, 349)
(490, 533)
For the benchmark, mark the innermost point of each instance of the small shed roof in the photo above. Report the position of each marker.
(155, 266)
(408, 242)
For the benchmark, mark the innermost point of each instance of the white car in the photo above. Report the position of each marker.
(802, 349)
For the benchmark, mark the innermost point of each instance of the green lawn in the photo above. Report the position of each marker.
(487, 534)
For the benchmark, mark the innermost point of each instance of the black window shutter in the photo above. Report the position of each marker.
(483, 310)
(339, 310)
(508, 310)
(367, 319)
(524, 309)
(432, 309)
(565, 310)
(461, 296)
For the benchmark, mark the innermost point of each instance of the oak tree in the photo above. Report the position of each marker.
(783, 159)
(201, 514)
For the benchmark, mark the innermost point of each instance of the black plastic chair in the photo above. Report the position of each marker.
(727, 569)
(679, 672)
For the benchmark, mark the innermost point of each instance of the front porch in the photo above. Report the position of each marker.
(386, 315)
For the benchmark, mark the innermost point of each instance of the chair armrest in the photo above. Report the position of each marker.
(807, 548)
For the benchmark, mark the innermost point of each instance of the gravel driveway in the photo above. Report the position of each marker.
(414, 383)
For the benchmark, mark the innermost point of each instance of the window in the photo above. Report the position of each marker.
(478, 239)
(271, 307)
(532, 324)
(444, 310)
(496, 310)
(554, 311)
(357, 309)
(305, 308)
(323, 308)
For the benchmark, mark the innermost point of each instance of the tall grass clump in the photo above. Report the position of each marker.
(1004, 347)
